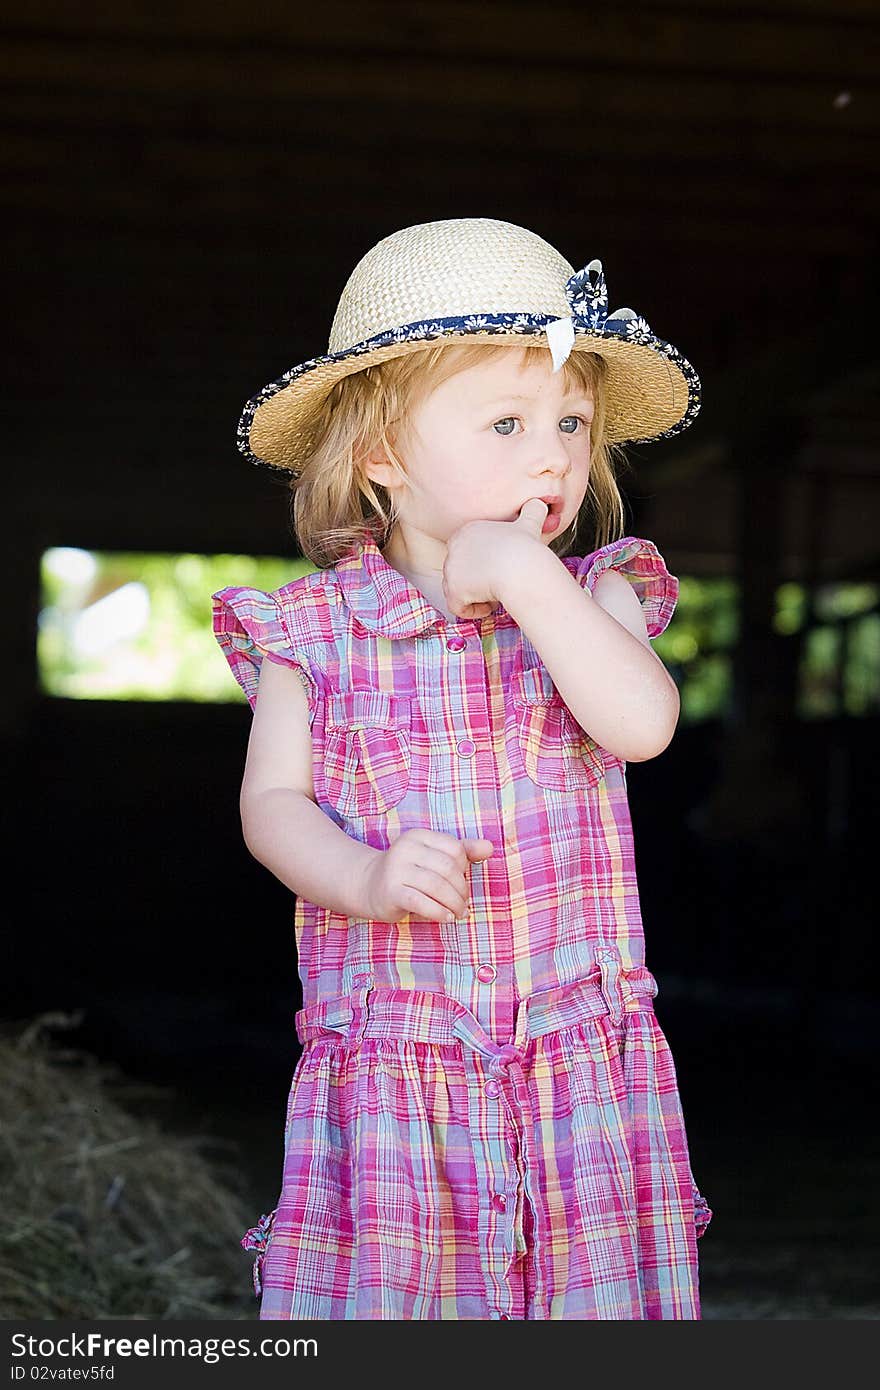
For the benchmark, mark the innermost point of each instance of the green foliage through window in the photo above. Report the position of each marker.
(696, 647)
(129, 626)
(132, 626)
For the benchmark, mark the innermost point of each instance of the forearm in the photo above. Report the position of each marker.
(616, 688)
(298, 842)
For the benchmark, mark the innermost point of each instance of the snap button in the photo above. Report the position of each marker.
(486, 974)
(504, 1317)
(499, 1202)
(456, 644)
(362, 981)
(493, 1088)
(466, 748)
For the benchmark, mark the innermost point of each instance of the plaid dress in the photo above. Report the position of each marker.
(484, 1122)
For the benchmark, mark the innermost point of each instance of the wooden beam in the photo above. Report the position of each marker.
(683, 39)
(87, 119)
(569, 84)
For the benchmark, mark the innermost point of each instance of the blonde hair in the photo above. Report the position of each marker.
(336, 506)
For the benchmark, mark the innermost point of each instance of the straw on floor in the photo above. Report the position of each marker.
(105, 1215)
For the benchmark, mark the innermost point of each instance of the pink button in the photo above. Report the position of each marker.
(493, 1088)
(499, 1202)
(467, 748)
(361, 981)
(456, 644)
(486, 974)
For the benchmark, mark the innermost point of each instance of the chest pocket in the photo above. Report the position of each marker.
(555, 750)
(366, 760)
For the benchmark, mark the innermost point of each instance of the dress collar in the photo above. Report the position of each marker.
(384, 601)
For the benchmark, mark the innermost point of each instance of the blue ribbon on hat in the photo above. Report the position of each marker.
(588, 298)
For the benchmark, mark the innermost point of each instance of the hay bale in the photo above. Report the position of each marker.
(106, 1216)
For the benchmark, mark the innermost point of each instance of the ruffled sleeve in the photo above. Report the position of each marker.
(250, 625)
(644, 567)
(702, 1214)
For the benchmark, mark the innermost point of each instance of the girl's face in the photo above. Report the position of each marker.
(480, 444)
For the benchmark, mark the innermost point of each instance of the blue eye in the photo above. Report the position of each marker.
(567, 420)
(507, 420)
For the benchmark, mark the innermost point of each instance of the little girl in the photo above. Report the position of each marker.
(484, 1122)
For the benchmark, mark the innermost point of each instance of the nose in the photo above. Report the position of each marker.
(552, 456)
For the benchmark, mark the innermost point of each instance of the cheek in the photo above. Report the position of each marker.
(580, 462)
(448, 492)
(465, 475)
(489, 487)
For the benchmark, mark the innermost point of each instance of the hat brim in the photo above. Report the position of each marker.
(652, 391)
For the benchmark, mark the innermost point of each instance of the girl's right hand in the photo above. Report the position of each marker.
(424, 874)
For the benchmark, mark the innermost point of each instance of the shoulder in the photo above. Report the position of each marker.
(306, 586)
(315, 593)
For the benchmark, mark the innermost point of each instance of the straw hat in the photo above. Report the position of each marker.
(478, 279)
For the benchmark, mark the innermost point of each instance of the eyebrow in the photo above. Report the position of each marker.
(502, 400)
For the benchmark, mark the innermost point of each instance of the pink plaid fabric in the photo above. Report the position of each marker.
(485, 1120)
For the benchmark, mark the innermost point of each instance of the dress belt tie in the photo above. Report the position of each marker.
(432, 1016)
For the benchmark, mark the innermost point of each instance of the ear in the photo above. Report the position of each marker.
(380, 470)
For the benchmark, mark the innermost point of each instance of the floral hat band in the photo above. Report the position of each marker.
(475, 279)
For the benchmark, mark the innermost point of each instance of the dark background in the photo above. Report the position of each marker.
(187, 189)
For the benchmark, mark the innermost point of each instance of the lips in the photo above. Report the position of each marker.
(553, 518)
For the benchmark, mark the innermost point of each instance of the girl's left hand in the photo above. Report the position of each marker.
(478, 556)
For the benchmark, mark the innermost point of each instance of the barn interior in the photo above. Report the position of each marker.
(187, 190)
